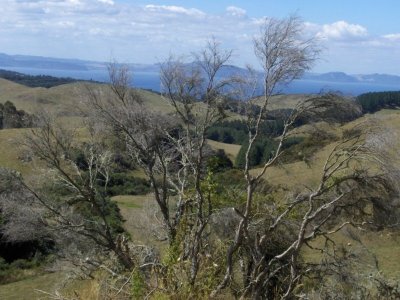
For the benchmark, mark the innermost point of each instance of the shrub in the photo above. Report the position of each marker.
(10, 117)
(219, 161)
(126, 184)
(304, 147)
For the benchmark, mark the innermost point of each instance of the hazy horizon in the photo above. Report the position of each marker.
(358, 37)
(157, 62)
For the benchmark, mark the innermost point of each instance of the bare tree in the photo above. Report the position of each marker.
(283, 57)
(21, 214)
(141, 130)
(70, 204)
(171, 149)
(268, 243)
(174, 151)
(197, 93)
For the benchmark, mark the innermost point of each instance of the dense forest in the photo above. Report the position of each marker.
(374, 101)
(45, 81)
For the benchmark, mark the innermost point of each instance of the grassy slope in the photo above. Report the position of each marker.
(37, 287)
(230, 149)
(63, 101)
(57, 99)
(10, 151)
(25, 289)
(283, 101)
(299, 173)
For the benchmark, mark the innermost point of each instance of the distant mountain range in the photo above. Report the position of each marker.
(361, 78)
(39, 62)
(146, 75)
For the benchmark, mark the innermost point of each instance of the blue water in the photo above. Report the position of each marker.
(345, 88)
(151, 80)
(144, 80)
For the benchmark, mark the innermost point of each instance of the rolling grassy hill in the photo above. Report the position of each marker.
(283, 101)
(63, 100)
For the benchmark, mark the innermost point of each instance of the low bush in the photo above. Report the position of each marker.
(10, 117)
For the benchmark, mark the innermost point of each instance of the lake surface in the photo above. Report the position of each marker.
(151, 80)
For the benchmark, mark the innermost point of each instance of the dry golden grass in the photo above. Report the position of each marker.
(43, 286)
(11, 151)
(129, 201)
(63, 100)
(230, 149)
(60, 99)
(155, 102)
(283, 101)
(300, 174)
(85, 289)
(140, 218)
(25, 289)
(384, 246)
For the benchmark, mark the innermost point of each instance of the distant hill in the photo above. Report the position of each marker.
(62, 100)
(379, 78)
(40, 62)
(331, 76)
(50, 63)
(360, 78)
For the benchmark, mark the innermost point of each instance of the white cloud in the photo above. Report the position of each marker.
(392, 36)
(236, 11)
(341, 30)
(174, 9)
(66, 24)
(110, 2)
(74, 2)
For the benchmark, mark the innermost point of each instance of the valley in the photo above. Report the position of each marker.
(138, 211)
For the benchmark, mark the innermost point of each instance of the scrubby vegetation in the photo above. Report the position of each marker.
(10, 117)
(21, 269)
(328, 108)
(119, 181)
(230, 132)
(236, 131)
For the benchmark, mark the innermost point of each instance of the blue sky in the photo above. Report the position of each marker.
(357, 36)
